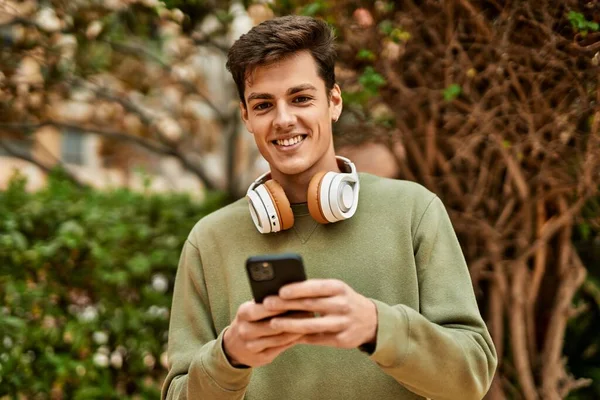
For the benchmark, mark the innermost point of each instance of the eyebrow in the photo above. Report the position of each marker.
(290, 91)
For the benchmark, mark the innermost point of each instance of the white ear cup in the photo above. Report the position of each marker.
(272, 216)
(343, 196)
(262, 210)
(258, 212)
(324, 190)
(338, 196)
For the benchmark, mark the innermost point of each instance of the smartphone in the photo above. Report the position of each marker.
(268, 273)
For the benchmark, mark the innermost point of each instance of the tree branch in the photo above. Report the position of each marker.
(140, 51)
(142, 142)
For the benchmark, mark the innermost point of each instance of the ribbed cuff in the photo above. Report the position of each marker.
(393, 333)
(215, 364)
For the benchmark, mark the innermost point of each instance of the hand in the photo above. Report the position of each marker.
(347, 318)
(251, 340)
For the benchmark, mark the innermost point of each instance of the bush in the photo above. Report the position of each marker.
(86, 280)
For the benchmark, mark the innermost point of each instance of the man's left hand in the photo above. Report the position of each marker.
(346, 319)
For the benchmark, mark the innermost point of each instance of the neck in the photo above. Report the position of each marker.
(296, 186)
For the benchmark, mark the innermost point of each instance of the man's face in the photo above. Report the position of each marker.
(289, 114)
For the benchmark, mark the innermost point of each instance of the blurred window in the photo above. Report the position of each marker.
(72, 147)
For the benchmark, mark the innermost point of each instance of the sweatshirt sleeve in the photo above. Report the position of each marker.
(198, 367)
(442, 351)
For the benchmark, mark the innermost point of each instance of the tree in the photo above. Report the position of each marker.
(139, 74)
(493, 104)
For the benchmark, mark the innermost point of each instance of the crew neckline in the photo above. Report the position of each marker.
(300, 209)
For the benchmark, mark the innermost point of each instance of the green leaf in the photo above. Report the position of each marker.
(139, 265)
(386, 26)
(97, 55)
(224, 17)
(585, 230)
(366, 55)
(576, 19)
(18, 241)
(355, 97)
(581, 24)
(452, 92)
(387, 7)
(312, 9)
(400, 35)
(13, 323)
(371, 80)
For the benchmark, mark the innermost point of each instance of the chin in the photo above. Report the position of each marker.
(292, 168)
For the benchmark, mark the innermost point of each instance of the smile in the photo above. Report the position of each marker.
(290, 142)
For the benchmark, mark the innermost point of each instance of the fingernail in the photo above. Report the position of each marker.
(285, 292)
(274, 323)
(269, 302)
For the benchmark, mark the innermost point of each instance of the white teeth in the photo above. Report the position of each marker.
(289, 142)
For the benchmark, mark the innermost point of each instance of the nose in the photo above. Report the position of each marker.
(284, 118)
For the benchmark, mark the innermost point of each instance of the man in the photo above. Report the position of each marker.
(397, 317)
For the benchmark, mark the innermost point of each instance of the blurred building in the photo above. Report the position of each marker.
(80, 154)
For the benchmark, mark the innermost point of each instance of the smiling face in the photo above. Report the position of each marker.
(289, 114)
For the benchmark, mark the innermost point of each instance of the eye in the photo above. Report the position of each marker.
(302, 99)
(261, 106)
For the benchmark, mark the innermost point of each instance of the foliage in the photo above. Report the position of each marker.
(312, 9)
(452, 92)
(87, 280)
(366, 55)
(581, 24)
(371, 81)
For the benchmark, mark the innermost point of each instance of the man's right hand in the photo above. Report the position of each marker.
(250, 341)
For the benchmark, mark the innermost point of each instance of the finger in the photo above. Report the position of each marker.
(264, 343)
(251, 330)
(328, 339)
(321, 305)
(313, 288)
(269, 354)
(251, 311)
(332, 323)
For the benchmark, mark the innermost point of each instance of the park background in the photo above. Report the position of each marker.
(119, 129)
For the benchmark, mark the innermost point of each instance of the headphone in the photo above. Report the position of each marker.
(332, 197)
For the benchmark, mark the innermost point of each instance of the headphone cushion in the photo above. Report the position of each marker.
(313, 198)
(282, 204)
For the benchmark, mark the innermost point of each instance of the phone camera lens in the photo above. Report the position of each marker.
(262, 272)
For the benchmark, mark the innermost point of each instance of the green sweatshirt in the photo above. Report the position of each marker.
(399, 250)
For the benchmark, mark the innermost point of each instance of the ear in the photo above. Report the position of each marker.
(335, 103)
(244, 115)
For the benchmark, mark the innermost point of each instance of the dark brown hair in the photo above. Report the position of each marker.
(275, 39)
